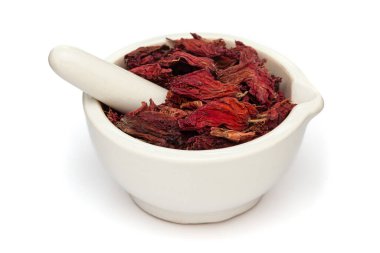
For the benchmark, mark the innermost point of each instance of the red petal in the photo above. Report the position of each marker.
(232, 135)
(201, 85)
(152, 72)
(228, 112)
(201, 47)
(145, 55)
(153, 127)
(202, 142)
(198, 62)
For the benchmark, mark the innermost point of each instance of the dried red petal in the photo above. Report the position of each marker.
(144, 107)
(271, 118)
(251, 71)
(236, 74)
(145, 55)
(245, 54)
(258, 126)
(205, 80)
(261, 90)
(192, 105)
(112, 115)
(201, 47)
(175, 100)
(261, 83)
(277, 113)
(191, 60)
(152, 126)
(174, 112)
(201, 85)
(152, 72)
(128, 126)
(203, 142)
(232, 135)
(223, 62)
(228, 112)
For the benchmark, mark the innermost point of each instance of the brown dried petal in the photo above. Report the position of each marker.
(192, 105)
(152, 126)
(203, 142)
(128, 127)
(232, 135)
(145, 55)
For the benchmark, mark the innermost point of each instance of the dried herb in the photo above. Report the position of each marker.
(232, 135)
(227, 112)
(201, 47)
(206, 141)
(145, 55)
(191, 105)
(187, 59)
(217, 96)
(152, 72)
(276, 114)
(201, 85)
(153, 125)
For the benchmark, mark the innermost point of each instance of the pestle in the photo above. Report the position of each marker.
(107, 82)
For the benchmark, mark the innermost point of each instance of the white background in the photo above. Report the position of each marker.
(55, 196)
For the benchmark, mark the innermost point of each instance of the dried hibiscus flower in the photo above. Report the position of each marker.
(232, 135)
(152, 125)
(201, 85)
(201, 47)
(228, 112)
(188, 59)
(217, 96)
(204, 141)
(145, 55)
(153, 72)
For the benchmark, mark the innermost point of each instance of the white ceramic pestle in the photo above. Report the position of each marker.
(107, 82)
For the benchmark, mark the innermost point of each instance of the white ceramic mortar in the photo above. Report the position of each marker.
(211, 185)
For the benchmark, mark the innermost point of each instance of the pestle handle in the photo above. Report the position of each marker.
(107, 82)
